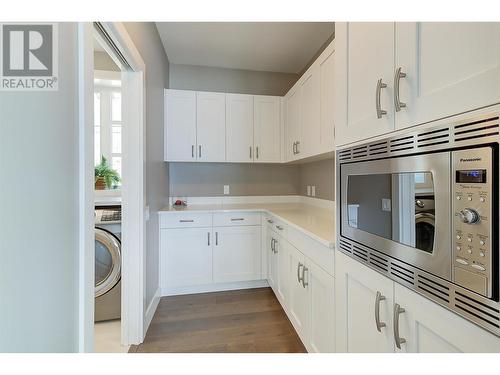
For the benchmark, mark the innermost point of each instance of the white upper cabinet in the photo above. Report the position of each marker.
(327, 84)
(180, 130)
(365, 78)
(211, 126)
(239, 128)
(292, 104)
(450, 67)
(310, 104)
(267, 129)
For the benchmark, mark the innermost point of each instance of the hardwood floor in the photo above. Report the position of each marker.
(241, 321)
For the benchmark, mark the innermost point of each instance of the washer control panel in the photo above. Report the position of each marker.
(472, 222)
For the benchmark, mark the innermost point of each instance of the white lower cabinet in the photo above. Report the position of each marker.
(272, 260)
(281, 253)
(407, 321)
(186, 257)
(236, 254)
(321, 287)
(427, 327)
(356, 291)
(298, 302)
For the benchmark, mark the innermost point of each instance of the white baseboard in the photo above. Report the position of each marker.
(175, 291)
(150, 311)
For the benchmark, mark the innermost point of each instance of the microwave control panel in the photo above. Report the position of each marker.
(472, 222)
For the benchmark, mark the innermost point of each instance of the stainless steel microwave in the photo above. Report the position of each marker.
(422, 208)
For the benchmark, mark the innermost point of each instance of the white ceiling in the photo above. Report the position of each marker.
(263, 46)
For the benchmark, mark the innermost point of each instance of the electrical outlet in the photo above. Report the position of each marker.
(386, 205)
(313, 190)
(308, 190)
(226, 189)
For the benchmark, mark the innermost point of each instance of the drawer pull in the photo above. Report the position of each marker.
(186, 221)
(279, 227)
(270, 221)
(237, 219)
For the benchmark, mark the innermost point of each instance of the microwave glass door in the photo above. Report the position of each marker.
(401, 206)
(395, 206)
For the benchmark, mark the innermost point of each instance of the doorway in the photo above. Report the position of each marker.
(111, 154)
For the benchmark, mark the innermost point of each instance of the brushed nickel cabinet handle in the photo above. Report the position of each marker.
(199, 151)
(294, 148)
(379, 297)
(257, 152)
(299, 266)
(272, 245)
(192, 151)
(304, 282)
(275, 249)
(208, 238)
(279, 227)
(250, 152)
(237, 219)
(398, 104)
(216, 238)
(380, 85)
(397, 339)
(186, 221)
(270, 221)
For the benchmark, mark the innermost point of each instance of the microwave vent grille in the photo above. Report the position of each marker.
(478, 130)
(486, 127)
(429, 285)
(471, 306)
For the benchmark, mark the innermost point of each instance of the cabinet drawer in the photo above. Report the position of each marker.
(186, 220)
(276, 225)
(321, 255)
(225, 219)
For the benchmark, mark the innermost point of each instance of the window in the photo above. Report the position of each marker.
(108, 125)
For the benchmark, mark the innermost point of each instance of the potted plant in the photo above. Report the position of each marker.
(105, 176)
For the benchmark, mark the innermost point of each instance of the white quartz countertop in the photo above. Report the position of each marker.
(314, 221)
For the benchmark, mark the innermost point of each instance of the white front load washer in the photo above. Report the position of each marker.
(108, 263)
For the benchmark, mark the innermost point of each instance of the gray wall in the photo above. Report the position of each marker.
(208, 179)
(39, 212)
(320, 174)
(204, 78)
(147, 40)
(102, 61)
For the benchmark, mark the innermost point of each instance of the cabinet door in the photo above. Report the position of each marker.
(309, 141)
(322, 309)
(237, 254)
(326, 73)
(451, 67)
(267, 134)
(282, 267)
(211, 126)
(298, 301)
(180, 125)
(292, 124)
(239, 128)
(186, 257)
(369, 48)
(356, 288)
(430, 328)
(272, 260)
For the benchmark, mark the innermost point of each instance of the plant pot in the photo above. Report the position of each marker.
(100, 183)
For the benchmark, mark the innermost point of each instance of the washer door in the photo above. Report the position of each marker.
(424, 231)
(107, 261)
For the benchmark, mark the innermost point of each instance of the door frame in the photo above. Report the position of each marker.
(133, 189)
